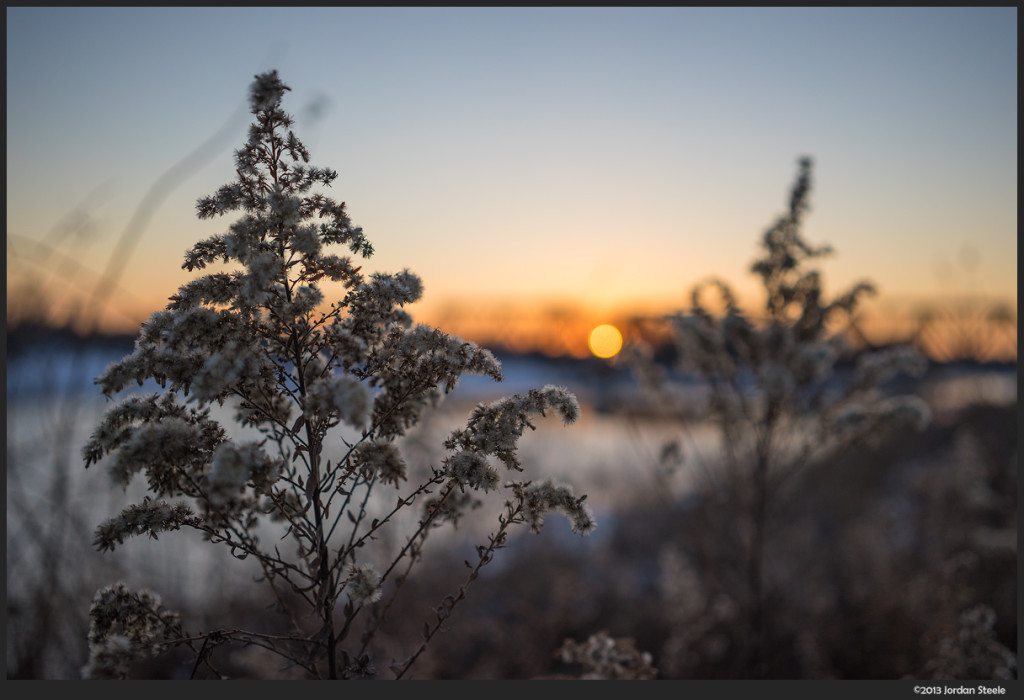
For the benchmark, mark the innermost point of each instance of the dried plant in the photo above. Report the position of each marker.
(778, 392)
(326, 390)
(605, 658)
(972, 651)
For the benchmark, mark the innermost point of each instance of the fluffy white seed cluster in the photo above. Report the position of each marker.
(380, 458)
(411, 364)
(123, 628)
(375, 306)
(303, 302)
(539, 499)
(606, 658)
(341, 397)
(264, 270)
(111, 658)
(180, 344)
(224, 368)
(266, 92)
(471, 469)
(306, 240)
(234, 466)
(149, 517)
(276, 408)
(435, 356)
(495, 429)
(363, 584)
(119, 421)
(158, 447)
(215, 289)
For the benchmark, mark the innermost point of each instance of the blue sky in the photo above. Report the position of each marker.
(602, 156)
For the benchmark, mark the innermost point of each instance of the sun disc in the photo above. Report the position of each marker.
(605, 341)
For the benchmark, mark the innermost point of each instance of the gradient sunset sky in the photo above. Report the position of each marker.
(599, 158)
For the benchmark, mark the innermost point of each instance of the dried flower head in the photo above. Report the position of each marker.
(539, 499)
(363, 584)
(605, 658)
(123, 628)
(380, 459)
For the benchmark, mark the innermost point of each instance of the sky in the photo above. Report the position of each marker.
(588, 161)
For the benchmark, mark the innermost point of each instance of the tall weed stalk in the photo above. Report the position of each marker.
(785, 391)
(327, 388)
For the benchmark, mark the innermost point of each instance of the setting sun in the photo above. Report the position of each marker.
(605, 341)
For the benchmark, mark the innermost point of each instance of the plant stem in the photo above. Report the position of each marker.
(759, 516)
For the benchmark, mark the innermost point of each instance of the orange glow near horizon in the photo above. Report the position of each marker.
(564, 328)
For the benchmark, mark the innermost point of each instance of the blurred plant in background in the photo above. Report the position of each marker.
(606, 659)
(779, 404)
(324, 394)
